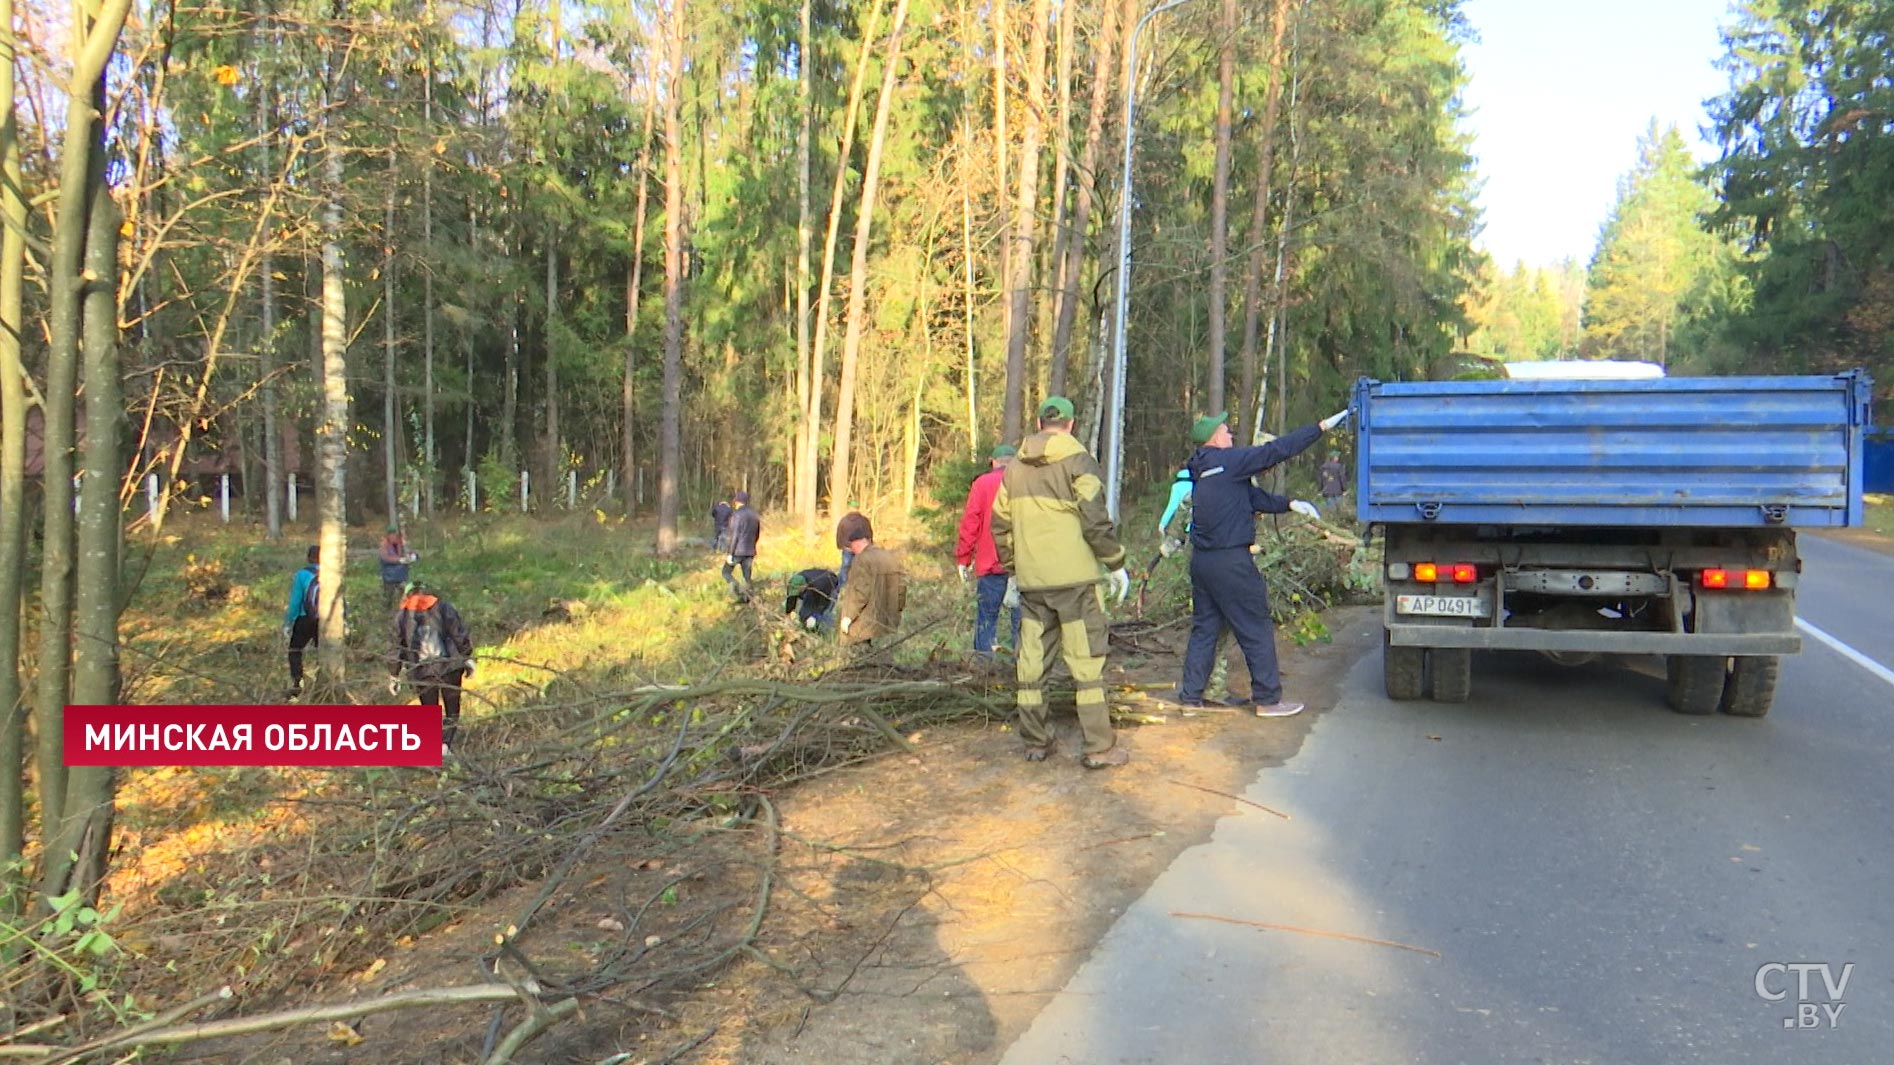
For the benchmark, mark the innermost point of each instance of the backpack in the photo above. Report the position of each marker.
(429, 645)
(311, 597)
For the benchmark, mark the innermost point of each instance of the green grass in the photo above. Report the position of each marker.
(1880, 515)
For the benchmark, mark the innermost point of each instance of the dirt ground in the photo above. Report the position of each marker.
(921, 908)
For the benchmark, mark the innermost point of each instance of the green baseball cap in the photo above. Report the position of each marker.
(1206, 427)
(1005, 451)
(1056, 407)
(797, 583)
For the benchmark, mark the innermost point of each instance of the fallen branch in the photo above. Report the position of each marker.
(1227, 795)
(266, 1022)
(1308, 932)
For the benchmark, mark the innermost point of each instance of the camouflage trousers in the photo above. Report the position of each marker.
(1069, 621)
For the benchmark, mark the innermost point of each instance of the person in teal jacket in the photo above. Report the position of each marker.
(299, 619)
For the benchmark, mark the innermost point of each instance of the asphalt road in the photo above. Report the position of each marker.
(1603, 879)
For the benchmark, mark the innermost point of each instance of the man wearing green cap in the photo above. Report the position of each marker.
(979, 559)
(1225, 587)
(1054, 535)
(812, 596)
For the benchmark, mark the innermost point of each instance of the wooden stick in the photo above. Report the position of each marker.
(1227, 795)
(1307, 931)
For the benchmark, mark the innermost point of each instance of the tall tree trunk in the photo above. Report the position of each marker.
(332, 432)
(12, 470)
(1001, 165)
(1285, 227)
(818, 352)
(1048, 309)
(858, 268)
(390, 413)
(1257, 240)
(510, 388)
(77, 848)
(634, 285)
(266, 343)
(430, 452)
(670, 450)
(1073, 261)
(79, 168)
(1025, 229)
(805, 237)
(555, 448)
(1220, 203)
(967, 291)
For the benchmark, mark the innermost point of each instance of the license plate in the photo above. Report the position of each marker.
(1446, 606)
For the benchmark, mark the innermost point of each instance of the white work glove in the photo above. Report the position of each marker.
(286, 634)
(1170, 546)
(808, 623)
(412, 558)
(1010, 600)
(731, 559)
(1334, 419)
(845, 622)
(394, 686)
(966, 572)
(1120, 584)
(470, 667)
(1304, 507)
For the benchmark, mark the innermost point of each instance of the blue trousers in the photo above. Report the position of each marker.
(1226, 589)
(989, 590)
(742, 562)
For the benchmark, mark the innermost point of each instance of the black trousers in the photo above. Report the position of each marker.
(1226, 589)
(302, 633)
(743, 562)
(443, 690)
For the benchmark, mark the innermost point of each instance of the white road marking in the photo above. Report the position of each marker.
(1848, 652)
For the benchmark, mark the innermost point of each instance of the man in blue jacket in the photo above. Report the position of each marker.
(299, 619)
(744, 530)
(1225, 587)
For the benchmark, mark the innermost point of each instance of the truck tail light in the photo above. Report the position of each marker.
(1426, 572)
(1753, 580)
(1464, 573)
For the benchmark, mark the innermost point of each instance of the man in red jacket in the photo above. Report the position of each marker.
(977, 556)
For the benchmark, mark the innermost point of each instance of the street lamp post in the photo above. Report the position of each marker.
(1114, 462)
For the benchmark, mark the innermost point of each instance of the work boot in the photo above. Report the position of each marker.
(1116, 755)
(1039, 752)
(1278, 709)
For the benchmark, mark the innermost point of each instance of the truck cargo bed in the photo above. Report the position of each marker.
(1706, 451)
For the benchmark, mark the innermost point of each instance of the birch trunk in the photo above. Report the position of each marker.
(390, 427)
(858, 268)
(818, 352)
(1250, 417)
(634, 284)
(332, 432)
(1073, 261)
(1025, 229)
(669, 446)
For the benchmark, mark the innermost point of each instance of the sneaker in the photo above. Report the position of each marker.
(1192, 707)
(1278, 710)
(1041, 752)
(1117, 755)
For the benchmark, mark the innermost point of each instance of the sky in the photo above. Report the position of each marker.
(1559, 93)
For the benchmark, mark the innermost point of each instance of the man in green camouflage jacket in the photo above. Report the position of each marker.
(1055, 537)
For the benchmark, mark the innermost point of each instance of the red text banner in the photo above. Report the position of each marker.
(253, 735)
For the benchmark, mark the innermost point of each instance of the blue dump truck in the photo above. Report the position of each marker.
(1580, 518)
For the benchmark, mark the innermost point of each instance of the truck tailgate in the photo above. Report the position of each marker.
(1695, 451)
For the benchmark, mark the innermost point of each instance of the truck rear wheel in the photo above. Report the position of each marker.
(1453, 674)
(1696, 683)
(1751, 686)
(1403, 669)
